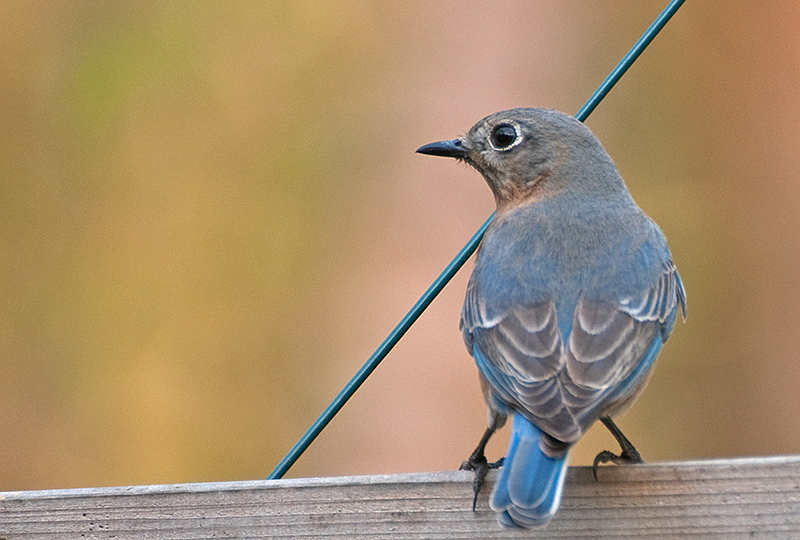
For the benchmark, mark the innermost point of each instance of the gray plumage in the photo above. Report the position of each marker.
(573, 294)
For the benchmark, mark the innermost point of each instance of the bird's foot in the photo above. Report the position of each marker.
(628, 456)
(477, 462)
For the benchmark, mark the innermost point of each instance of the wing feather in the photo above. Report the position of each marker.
(564, 383)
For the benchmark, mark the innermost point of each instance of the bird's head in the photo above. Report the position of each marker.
(530, 154)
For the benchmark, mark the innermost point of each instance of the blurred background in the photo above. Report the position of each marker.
(212, 213)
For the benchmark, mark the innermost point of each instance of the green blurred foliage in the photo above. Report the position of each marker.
(165, 210)
(211, 214)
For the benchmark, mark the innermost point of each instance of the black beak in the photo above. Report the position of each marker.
(452, 148)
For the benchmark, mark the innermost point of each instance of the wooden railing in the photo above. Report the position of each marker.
(725, 499)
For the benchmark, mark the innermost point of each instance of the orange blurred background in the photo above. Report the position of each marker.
(212, 213)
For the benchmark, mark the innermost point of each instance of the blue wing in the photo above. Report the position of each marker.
(565, 318)
(564, 383)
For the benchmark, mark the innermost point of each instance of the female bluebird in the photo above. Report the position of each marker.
(572, 297)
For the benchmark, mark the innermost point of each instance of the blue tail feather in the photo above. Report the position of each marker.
(528, 489)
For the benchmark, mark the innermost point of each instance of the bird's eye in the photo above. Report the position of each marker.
(505, 137)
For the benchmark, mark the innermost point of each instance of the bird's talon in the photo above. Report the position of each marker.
(626, 457)
(481, 466)
(497, 464)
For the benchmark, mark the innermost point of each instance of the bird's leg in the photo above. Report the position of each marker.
(628, 454)
(477, 462)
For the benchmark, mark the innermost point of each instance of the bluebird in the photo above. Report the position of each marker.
(573, 294)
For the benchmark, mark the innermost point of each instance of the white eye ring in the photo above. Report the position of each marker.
(500, 137)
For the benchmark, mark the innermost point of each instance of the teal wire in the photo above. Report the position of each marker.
(628, 60)
(452, 268)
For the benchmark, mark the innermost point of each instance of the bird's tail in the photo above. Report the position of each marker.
(528, 489)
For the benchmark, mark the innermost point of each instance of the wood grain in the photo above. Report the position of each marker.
(737, 498)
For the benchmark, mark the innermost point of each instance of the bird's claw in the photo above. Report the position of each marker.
(481, 466)
(628, 454)
(626, 457)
